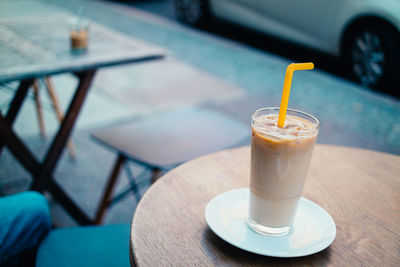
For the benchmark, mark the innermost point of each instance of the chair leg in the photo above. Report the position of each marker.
(39, 108)
(59, 113)
(155, 174)
(132, 187)
(112, 180)
(133, 183)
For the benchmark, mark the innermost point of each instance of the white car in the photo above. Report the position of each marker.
(366, 33)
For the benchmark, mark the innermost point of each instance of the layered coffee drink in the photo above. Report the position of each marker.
(79, 39)
(280, 157)
(79, 34)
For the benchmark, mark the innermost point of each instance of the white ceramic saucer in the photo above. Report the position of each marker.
(313, 228)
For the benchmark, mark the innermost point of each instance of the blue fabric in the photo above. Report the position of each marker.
(24, 220)
(85, 246)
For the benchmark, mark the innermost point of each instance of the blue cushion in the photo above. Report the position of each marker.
(86, 246)
(24, 220)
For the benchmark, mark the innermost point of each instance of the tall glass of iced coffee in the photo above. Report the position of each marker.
(280, 157)
(79, 35)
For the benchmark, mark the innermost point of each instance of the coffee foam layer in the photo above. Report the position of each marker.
(294, 127)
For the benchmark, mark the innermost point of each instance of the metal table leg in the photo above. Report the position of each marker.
(16, 103)
(43, 172)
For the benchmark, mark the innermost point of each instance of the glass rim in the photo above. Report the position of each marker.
(81, 23)
(308, 115)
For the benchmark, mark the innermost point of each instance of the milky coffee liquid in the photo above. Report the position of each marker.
(280, 159)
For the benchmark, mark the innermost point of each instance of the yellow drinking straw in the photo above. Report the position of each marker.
(286, 88)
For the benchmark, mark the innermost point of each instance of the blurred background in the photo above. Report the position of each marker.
(358, 41)
(226, 56)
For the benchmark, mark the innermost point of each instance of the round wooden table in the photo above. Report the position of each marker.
(359, 188)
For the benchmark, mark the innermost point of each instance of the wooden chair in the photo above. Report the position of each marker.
(56, 106)
(164, 140)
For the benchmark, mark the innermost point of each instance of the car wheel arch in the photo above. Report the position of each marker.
(202, 19)
(389, 36)
(361, 22)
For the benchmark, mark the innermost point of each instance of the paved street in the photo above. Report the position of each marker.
(350, 115)
(202, 69)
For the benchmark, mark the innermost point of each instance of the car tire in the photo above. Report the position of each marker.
(372, 56)
(192, 12)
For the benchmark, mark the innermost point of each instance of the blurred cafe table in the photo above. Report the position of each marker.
(359, 188)
(36, 46)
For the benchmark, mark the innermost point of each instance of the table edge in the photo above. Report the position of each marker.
(80, 68)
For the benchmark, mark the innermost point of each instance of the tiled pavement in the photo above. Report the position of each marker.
(201, 70)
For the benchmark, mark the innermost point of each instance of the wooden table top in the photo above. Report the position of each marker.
(359, 188)
(37, 43)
